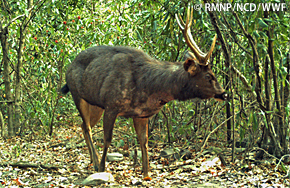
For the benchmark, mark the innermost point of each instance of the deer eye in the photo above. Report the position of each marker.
(208, 77)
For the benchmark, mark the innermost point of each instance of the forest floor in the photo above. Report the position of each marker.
(63, 161)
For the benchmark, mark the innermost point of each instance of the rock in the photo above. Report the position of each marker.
(171, 153)
(114, 157)
(43, 185)
(139, 154)
(209, 185)
(167, 153)
(186, 155)
(98, 178)
(136, 181)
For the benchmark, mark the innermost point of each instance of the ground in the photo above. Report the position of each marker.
(63, 161)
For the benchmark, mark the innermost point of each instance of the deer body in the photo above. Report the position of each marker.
(130, 81)
(119, 78)
(123, 81)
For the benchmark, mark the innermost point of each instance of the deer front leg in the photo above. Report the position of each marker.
(108, 125)
(141, 128)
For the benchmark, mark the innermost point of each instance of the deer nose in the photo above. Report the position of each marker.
(223, 96)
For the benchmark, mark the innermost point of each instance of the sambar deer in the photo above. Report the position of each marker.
(123, 81)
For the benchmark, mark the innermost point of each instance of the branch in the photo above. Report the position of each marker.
(11, 21)
(234, 36)
(33, 13)
(201, 149)
(5, 6)
(22, 15)
(225, 47)
(8, 101)
(244, 80)
(253, 44)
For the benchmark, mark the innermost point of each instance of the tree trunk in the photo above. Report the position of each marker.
(60, 67)
(18, 84)
(227, 56)
(267, 103)
(286, 98)
(1, 124)
(287, 86)
(4, 43)
(19, 70)
(264, 140)
(279, 128)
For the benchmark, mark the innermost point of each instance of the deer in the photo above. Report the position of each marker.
(123, 81)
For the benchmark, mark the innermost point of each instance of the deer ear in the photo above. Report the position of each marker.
(190, 66)
(188, 55)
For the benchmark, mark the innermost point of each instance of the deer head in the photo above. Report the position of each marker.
(198, 59)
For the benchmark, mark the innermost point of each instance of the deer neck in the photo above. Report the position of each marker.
(168, 79)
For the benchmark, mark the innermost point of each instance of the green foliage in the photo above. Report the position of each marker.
(59, 30)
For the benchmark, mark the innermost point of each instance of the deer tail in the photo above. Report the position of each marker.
(64, 89)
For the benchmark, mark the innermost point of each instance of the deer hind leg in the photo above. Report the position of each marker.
(141, 128)
(95, 115)
(86, 110)
(108, 125)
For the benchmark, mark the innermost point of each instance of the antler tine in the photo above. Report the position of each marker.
(188, 19)
(206, 58)
(191, 14)
(194, 43)
(187, 35)
(180, 22)
(185, 28)
(190, 35)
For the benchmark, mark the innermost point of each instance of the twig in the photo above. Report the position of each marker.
(10, 101)
(167, 125)
(24, 164)
(272, 156)
(211, 120)
(214, 131)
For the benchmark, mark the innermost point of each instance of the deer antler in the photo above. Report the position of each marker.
(185, 28)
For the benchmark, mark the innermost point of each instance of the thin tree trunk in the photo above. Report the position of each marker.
(227, 62)
(287, 89)
(1, 124)
(234, 117)
(60, 67)
(228, 110)
(19, 70)
(286, 97)
(287, 86)
(263, 142)
(4, 44)
(253, 44)
(279, 128)
(267, 102)
(18, 84)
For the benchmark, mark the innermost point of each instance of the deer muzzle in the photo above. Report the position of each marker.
(221, 97)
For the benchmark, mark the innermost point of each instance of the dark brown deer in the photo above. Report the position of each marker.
(123, 81)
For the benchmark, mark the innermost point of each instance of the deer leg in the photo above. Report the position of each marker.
(84, 109)
(108, 125)
(95, 115)
(141, 128)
